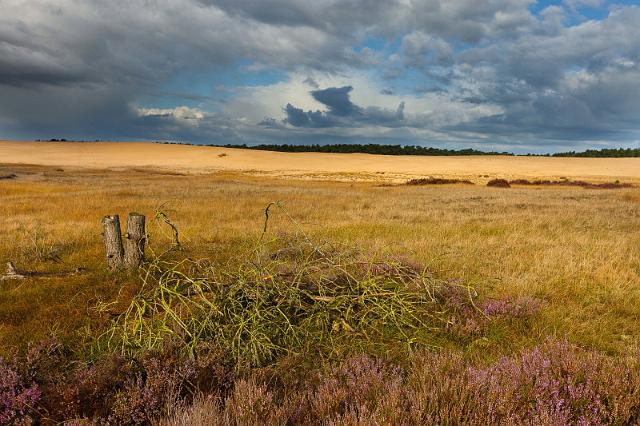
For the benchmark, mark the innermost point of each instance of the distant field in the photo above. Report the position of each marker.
(196, 159)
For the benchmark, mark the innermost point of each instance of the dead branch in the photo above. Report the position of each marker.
(13, 273)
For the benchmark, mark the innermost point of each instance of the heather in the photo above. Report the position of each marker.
(304, 332)
(18, 396)
(555, 383)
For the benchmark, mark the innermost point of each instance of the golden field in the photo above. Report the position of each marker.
(349, 167)
(577, 250)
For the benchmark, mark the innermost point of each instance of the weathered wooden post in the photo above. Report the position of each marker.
(113, 241)
(134, 241)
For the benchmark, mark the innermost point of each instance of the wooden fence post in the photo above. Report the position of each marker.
(134, 241)
(113, 241)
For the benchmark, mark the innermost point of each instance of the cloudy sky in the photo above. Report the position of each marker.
(515, 75)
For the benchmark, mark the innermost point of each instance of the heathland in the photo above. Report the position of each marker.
(357, 298)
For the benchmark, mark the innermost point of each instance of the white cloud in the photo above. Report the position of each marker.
(181, 113)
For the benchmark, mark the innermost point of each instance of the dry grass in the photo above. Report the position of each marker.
(577, 250)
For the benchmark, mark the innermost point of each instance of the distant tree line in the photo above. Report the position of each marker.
(420, 150)
(366, 149)
(606, 152)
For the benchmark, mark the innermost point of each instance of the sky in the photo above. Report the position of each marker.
(506, 75)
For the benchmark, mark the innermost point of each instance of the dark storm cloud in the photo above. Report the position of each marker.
(590, 107)
(212, 129)
(297, 116)
(324, 15)
(337, 100)
(341, 112)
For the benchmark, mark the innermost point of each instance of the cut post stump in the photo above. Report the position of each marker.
(130, 254)
(113, 241)
(134, 241)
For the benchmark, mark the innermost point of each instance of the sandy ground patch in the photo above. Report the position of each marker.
(202, 159)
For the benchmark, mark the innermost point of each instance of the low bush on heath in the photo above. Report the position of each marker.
(301, 299)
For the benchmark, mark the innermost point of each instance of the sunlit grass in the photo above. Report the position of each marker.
(576, 249)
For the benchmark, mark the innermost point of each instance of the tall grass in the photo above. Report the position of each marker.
(575, 249)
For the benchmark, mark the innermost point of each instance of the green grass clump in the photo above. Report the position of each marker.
(301, 299)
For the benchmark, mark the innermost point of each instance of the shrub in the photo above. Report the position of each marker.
(437, 181)
(565, 182)
(89, 390)
(285, 313)
(299, 300)
(164, 380)
(144, 396)
(499, 183)
(251, 403)
(552, 384)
